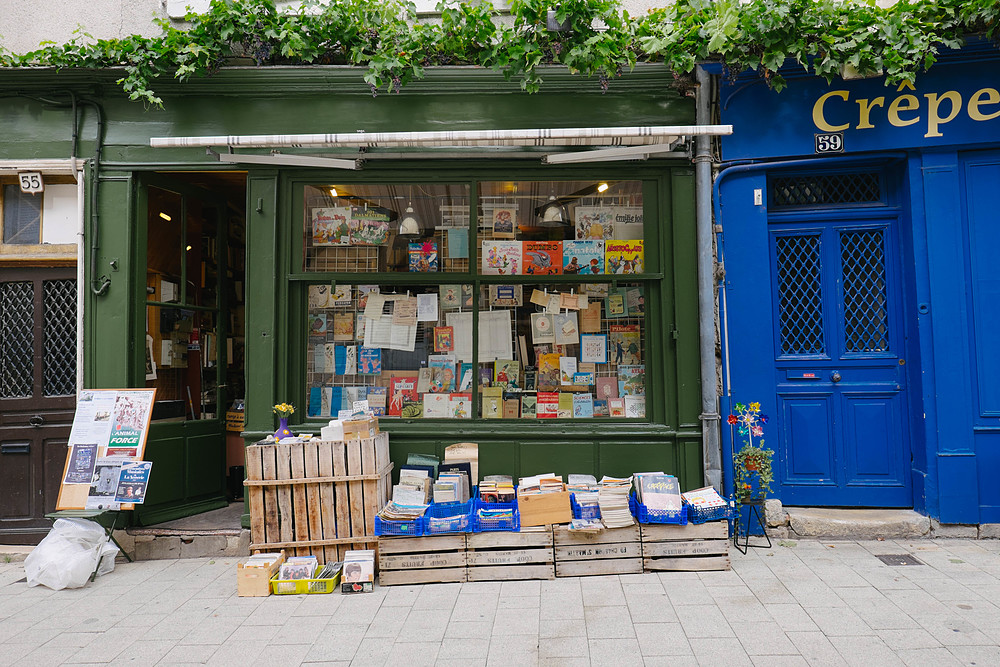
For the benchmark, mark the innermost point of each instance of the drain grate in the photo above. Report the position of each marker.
(898, 559)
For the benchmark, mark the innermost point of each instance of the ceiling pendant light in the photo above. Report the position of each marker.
(409, 225)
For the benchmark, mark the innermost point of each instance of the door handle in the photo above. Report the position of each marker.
(835, 376)
(37, 420)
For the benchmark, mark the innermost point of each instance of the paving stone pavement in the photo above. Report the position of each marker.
(811, 602)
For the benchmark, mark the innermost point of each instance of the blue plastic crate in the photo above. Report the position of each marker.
(645, 515)
(481, 525)
(583, 512)
(413, 528)
(703, 514)
(448, 518)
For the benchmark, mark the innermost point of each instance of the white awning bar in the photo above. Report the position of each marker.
(611, 154)
(287, 160)
(593, 136)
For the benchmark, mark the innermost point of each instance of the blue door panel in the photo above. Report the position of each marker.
(874, 420)
(806, 448)
(983, 181)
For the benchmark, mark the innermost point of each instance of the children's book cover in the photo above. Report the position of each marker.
(615, 304)
(511, 406)
(507, 374)
(504, 222)
(401, 388)
(506, 295)
(442, 368)
(331, 226)
(444, 339)
(465, 377)
(317, 324)
(501, 258)
(583, 406)
(466, 296)
(594, 222)
(601, 408)
(377, 399)
(543, 258)
(621, 257)
(424, 380)
(567, 369)
(547, 405)
(359, 327)
(412, 409)
(529, 405)
(437, 406)
(363, 292)
(343, 326)
(460, 405)
(632, 380)
(369, 360)
(616, 407)
(492, 399)
(369, 226)
(485, 375)
(424, 257)
(548, 372)
(583, 257)
(623, 339)
(345, 360)
(635, 300)
(583, 379)
(565, 406)
(628, 222)
(607, 387)
(451, 296)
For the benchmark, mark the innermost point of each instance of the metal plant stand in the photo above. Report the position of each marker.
(756, 511)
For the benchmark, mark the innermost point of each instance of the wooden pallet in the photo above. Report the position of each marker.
(614, 551)
(421, 560)
(501, 556)
(318, 497)
(690, 548)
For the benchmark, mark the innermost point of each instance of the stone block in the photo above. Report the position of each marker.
(954, 530)
(989, 531)
(150, 548)
(864, 524)
(199, 546)
(774, 514)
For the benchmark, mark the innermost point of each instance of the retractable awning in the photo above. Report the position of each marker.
(609, 143)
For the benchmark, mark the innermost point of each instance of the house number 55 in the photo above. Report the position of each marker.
(31, 181)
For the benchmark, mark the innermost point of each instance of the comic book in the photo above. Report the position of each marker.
(369, 360)
(543, 258)
(331, 226)
(583, 257)
(442, 368)
(402, 387)
(632, 380)
(621, 257)
(623, 341)
(501, 258)
(507, 374)
(548, 372)
(594, 222)
(369, 226)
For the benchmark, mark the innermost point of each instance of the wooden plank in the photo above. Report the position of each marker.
(712, 530)
(301, 512)
(598, 551)
(305, 481)
(511, 572)
(282, 456)
(423, 561)
(270, 495)
(396, 545)
(328, 513)
(310, 452)
(689, 564)
(402, 577)
(256, 496)
(371, 502)
(383, 460)
(564, 536)
(271, 546)
(341, 501)
(585, 568)
(534, 536)
(511, 556)
(693, 548)
(354, 492)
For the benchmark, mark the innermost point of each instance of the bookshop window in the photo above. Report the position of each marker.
(568, 227)
(562, 351)
(386, 228)
(396, 347)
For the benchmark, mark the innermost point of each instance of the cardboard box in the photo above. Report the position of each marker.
(255, 582)
(542, 509)
(355, 429)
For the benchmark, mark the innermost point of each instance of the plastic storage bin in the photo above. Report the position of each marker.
(703, 514)
(300, 586)
(413, 528)
(448, 518)
(583, 512)
(645, 515)
(481, 525)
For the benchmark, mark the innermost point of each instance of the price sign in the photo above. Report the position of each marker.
(31, 182)
(830, 143)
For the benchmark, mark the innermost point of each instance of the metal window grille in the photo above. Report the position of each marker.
(59, 337)
(17, 339)
(826, 189)
(866, 322)
(800, 295)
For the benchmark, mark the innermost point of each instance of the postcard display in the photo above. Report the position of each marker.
(545, 350)
(104, 468)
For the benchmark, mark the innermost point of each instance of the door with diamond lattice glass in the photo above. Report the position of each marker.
(842, 429)
(37, 395)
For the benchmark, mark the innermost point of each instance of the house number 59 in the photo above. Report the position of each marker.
(31, 181)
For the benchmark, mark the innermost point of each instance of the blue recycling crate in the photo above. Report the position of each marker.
(490, 524)
(413, 528)
(583, 512)
(645, 515)
(448, 518)
(704, 514)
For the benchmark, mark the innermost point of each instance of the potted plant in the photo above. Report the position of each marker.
(752, 463)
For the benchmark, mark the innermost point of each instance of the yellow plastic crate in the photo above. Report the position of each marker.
(304, 586)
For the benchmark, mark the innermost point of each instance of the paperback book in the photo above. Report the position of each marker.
(624, 342)
(369, 361)
(506, 374)
(401, 388)
(369, 226)
(632, 380)
(331, 226)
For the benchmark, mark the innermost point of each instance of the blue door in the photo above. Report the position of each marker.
(842, 426)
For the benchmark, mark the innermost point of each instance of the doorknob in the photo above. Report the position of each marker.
(37, 420)
(835, 376)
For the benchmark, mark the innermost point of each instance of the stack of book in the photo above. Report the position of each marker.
(393, 511)
(545, 483)
(706, 498)
(451, 488)
(585, 494)
(414, 487)
(497, 489)
(613, 500)
(658, 492)
(265, 560)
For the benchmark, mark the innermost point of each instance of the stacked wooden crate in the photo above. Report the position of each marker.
(421, 560)
(611, 551)
(317, 497)
(694, 547)
(502, 556)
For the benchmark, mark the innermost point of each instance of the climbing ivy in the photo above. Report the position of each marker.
(599, 39)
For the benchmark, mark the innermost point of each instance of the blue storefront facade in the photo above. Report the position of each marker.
(860, 303)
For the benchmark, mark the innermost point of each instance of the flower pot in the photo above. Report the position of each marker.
(283, 430)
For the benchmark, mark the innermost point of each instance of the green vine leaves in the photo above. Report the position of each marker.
(600, 39)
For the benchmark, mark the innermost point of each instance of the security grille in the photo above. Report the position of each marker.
(866, 321)
(826, 189)
(800, 295)
(17, 339)
(59, 337)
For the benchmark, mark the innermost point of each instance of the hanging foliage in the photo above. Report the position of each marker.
(597, 38)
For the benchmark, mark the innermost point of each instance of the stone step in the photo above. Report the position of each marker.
(859, 524)
(167, 543)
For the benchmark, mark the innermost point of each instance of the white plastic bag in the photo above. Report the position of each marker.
(68, 555)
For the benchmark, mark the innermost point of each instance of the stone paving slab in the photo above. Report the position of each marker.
(803, 602)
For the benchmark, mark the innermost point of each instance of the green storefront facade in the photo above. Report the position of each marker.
(263, 269)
